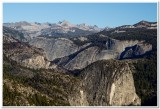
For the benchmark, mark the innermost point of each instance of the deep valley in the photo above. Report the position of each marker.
(62, 64)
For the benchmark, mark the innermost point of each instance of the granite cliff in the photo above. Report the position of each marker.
(72, 56)
(55, 48)
(115, 67)
(104, 83)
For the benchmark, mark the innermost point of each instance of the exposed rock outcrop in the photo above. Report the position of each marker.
(146, 24)
(14, 33)
(72, 56)
(88, 56)
(113, 49)
(106, 83)
(55, 48)
(128, 48)
(25, 55)
(38, 62)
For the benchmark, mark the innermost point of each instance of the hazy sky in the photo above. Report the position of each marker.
(100, 14)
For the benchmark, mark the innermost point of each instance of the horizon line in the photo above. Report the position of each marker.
(78, 23)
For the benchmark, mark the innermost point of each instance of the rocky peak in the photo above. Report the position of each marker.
(64, 23)
(95, 26)
(36, 23)
(146, 24)
(83, 24)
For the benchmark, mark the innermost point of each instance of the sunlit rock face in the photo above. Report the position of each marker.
(72, 56)
(114, 50)
(25, 54)
(106, 83)
(128, 48)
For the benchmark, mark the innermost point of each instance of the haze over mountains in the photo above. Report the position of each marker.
(80, 65)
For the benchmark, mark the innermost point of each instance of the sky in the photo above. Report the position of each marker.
(100, 14)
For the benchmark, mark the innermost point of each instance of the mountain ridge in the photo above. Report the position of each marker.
(62, 28)
(114, 67)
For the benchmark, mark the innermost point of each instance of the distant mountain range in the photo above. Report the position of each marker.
(66, 29)
(62, 28)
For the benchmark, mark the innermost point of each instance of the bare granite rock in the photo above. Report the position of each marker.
(106, 83)
(55, 48)
(25, 54)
